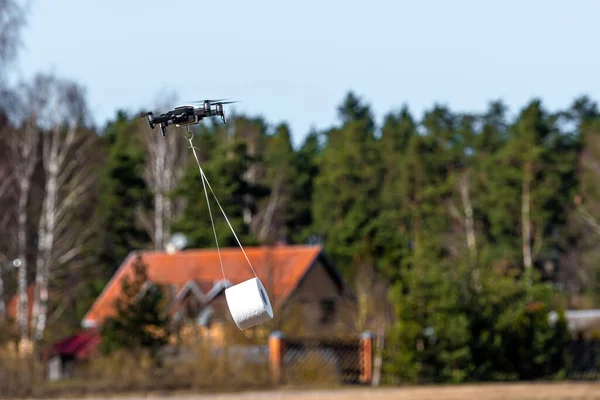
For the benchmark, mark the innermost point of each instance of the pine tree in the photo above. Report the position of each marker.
(393, 223)
(579, 271)
(122, 192)
(140, 321)
(280, 177)
(300, 213)
(429, 340)
(225, 172)
(348, 185)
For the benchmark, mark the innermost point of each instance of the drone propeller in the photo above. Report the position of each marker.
(210, 101)
(217, 101)
(143, 115)
(148, 115)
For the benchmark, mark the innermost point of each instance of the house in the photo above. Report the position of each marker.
(13, 302)
(308, 294)
(62, 356)
(584, 323)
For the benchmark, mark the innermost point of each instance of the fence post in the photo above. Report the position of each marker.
(366, 357)
(276, 352)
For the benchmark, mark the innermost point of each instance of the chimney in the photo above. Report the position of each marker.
(170, 248)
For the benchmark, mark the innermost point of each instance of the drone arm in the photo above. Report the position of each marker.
(199, 112)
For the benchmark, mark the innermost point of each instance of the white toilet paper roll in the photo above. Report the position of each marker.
(248, 303)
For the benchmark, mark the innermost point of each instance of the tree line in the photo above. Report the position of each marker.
(472, 220)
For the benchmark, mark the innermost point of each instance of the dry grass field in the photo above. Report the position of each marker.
(522, 391)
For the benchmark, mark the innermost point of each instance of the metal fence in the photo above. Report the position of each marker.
(584, 359)
(341, 360)
(350, 361)
(321, 360)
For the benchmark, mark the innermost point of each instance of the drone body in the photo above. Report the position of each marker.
(187, 115)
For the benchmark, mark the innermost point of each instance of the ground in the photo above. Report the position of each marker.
(524, 391)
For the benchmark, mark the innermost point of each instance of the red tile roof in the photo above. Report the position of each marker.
(11, 308)
(280, 268)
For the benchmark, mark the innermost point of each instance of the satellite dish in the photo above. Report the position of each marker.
(179, 240)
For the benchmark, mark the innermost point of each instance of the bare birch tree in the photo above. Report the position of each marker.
(67, 180)
(278, 173)
(6, 183)
(464, 215)
(469, 222)
(12, 19)
(271, 208)
(3, 262)
(164, 167)
(463, 212)
(526, 216)
(24, 146)
(2, 304)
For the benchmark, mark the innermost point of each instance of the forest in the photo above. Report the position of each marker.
(473, 222)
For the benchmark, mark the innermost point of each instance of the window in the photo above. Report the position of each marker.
(327, 311)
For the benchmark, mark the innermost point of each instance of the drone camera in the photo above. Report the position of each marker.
(185, 119)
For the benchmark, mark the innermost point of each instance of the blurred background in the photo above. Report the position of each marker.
(415, 184)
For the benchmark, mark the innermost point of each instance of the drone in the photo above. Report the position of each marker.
(187, 115)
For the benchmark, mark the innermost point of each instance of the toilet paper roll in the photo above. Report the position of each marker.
(248, 303)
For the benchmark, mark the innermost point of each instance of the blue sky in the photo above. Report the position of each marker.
(294, 61)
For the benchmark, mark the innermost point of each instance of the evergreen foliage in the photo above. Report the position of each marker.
(141, 321)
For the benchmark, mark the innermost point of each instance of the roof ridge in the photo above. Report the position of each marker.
(232, 249)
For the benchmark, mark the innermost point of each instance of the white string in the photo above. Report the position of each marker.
(226, 219)
(208, 202)
(204, 184)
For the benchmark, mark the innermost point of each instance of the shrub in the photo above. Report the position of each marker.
(449, 330)
(19, 376)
